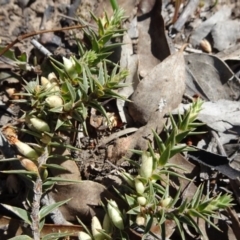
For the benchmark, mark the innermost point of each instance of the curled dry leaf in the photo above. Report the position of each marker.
(10, 134)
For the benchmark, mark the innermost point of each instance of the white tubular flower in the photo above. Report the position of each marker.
(146, 167)
(26, 150)
(107, 224)
(140, 220)
(54, 101)
(96, 226)
(142, 201)
(69, 66)
(52, 77)
(165, 202)
(45, 82)
(115, 215)
(139, 186)
(40, 125)
(83, 236)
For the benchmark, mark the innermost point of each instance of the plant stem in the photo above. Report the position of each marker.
(37, 190)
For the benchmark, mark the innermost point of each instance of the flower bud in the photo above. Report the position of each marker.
(96, 226)
(145, 170)
(37, 89)
(165, 202)
(69, 66)
(68, 63)
(142, 201)
(107, 224)
(54, 101)
(26, 150)
(44, 174)
(52, 77)
(205, 46)
(40, 125)
(139, 186)
(83, 236)
(115, 214)
(46, 83)
(55, 88)
(28, 164)
(140, 220)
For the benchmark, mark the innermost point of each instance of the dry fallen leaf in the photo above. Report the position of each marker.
(152, 43)
(86, 200)
(160, 91)
(157, 94)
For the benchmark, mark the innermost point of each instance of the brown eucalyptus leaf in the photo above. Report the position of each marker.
(231, 30)
(235, 186)
(152, 43)
(205, 28)
(86, 200)
(210, 77)
(157, 94)
(190, 171)
(231, 53)
(72, 172)
(160, 91)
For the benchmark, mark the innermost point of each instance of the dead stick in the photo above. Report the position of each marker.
(31, 34)
(189, 9)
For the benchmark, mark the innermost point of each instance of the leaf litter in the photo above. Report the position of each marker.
(157, 84)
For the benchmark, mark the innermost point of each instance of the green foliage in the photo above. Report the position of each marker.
(155, 170)
(148, 193)
(81, 83)
(20, 61)
(58, 101)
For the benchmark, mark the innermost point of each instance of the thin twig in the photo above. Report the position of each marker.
(219, 144)
(41, 48)
(188, 10)
(31, 34)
